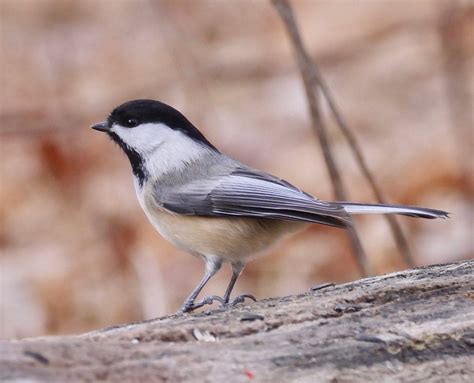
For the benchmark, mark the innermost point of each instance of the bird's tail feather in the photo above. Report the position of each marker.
(412, 211)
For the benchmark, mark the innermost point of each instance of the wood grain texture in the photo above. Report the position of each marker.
(414, 325)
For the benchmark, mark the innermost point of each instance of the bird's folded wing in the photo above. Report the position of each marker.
(248, 193)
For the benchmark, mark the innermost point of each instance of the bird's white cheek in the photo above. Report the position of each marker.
(162, 148)
(143, 138)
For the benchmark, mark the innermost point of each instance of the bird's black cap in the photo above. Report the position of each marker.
(136, 112)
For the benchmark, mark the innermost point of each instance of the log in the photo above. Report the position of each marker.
(413, 325)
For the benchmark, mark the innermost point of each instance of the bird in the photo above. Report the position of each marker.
(211, 205)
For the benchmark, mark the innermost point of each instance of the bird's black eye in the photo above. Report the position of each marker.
(132, 122)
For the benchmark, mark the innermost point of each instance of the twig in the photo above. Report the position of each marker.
(311, 84)
(397, 232)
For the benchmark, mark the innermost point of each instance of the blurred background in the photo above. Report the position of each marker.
(77, 253)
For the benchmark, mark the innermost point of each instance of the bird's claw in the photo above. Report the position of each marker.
(241, 298)
(191, 306)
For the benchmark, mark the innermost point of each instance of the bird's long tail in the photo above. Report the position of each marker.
(412, 211)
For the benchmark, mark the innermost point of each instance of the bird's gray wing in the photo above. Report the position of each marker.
(249, 193)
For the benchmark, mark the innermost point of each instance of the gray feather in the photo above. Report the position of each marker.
(218, 186)
(412, 211)
(223, 188)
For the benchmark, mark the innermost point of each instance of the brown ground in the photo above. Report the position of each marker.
(411, 326)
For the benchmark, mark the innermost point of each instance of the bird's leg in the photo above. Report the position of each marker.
(236, 271)
(212, 266)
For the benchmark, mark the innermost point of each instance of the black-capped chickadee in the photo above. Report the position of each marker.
(211, 205)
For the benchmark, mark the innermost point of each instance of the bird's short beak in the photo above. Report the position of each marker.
(101, 126)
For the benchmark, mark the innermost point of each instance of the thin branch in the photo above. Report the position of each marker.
(395, 227)
(311, 84)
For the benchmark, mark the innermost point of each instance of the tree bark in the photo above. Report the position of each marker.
(414, 325)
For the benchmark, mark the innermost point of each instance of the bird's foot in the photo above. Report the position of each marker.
(240, 299)
(191, 305)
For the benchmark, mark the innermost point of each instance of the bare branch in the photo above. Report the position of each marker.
(311, 84)
(395, 227)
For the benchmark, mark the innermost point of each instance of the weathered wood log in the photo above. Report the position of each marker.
(414, 325)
